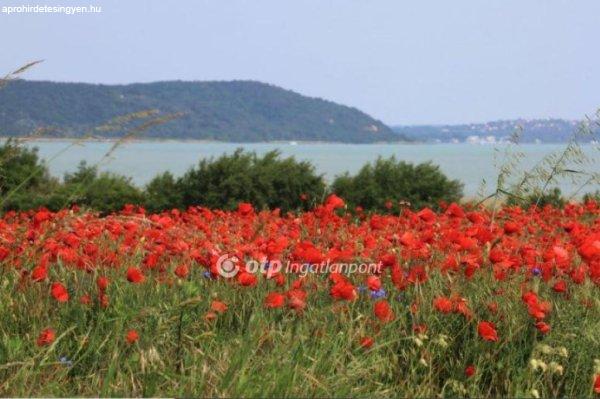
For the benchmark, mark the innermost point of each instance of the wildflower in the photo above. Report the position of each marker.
(383, 311)
(556, 368)
(487, 331)
(533, 364)
(210, 316)
(441, 341)
(102, 283)
(542, 327)
(85, 299)
(366, 342)
(65, 361)
(562, 351)
(135, 275)
(334, 202)
(245, 208)
(246, 279)
(343, 290)
(560, 286)
(470, 371)
(442, 304)
(46, 337)
(59, 292)
(274, 300)
(218, 306)
(296, 299)
(597, 384)
(545, 349)
(374, 283)
(132, 337)
(380, 293)
(182, 271)
(39, 273)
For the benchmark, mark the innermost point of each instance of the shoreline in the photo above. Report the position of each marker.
(189, 140)
(43, 139)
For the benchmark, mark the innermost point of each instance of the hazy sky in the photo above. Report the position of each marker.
(402, 62)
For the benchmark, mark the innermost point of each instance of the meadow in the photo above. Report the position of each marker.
(467, 302)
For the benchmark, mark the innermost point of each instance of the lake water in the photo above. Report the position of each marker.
(141, 160)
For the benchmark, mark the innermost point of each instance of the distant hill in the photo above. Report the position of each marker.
(238, 111)
(532, 130)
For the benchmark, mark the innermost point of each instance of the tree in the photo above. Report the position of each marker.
(381, 185)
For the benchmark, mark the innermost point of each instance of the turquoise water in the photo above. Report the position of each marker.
(142, 160)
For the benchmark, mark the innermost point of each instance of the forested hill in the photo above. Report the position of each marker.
(238, 111)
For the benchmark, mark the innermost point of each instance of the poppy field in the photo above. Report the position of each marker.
(465, 302)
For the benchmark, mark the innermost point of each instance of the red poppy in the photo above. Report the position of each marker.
(470, 371)
(59, 292)
(366, 342)
(374, 283)
(182, 271)
(487, 331)
(218, 306)
(46, 337)
(39, 273)
(334, 202)
(443, 304)
(135, 275)
(597, 384)
(132, 337)
(246, 279)
(85, 300)
(419, 328)
(383, 311)
(102, 283)
(296, 299)
(343, 290)
(274, 300)
(542, 327)
(245, 208)
(560, 286)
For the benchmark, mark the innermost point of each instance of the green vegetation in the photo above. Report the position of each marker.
(266, 182)
(552, 197)
(387, 180)
(25, 182)
(237, 111)
(251, 351)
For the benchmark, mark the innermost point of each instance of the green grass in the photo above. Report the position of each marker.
(250, 351)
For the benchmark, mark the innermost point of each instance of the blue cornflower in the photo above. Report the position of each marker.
(380, 293)
(536, 271)
(65, 361)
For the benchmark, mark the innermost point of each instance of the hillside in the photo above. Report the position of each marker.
(533, 130)
(238, 111)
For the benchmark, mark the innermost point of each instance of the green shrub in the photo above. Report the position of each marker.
(266, 182)
(375, 185)
(595, 196)
(163, 192)
(104, 192)
(551, 197)
(25, 182)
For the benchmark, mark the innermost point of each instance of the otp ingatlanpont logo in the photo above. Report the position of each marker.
(227, 266)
